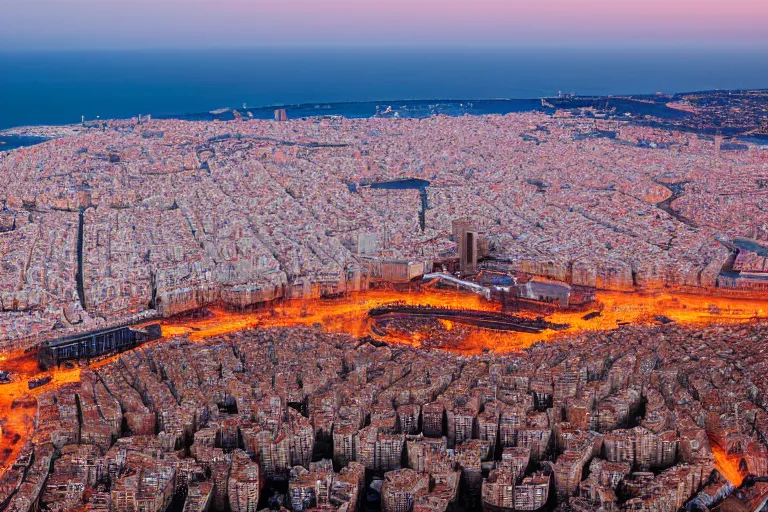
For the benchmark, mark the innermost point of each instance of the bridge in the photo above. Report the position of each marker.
(471, 286)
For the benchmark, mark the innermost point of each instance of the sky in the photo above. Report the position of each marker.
(106, 24)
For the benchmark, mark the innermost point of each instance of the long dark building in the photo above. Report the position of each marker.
(485, 319)
(95, 343)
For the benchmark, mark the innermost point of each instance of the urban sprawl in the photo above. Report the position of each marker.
(515, 312)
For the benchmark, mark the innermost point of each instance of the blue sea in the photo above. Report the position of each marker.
(60, 87)
(9, 142)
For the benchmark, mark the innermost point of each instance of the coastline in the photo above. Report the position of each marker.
(659, 110)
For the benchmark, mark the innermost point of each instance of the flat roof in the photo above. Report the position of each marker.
(72, 338)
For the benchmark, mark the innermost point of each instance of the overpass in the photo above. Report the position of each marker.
(461, 283)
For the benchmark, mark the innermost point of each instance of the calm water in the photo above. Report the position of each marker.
(8, 142)
(57, 88)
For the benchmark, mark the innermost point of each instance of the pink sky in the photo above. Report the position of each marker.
(148, 23)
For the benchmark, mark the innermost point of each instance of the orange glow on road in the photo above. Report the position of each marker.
(350, 315)
(727, 465)
(18, 403)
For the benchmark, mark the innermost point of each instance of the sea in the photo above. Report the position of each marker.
(58, 87)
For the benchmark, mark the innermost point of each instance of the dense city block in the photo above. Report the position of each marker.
(641, 418)
(124, 221)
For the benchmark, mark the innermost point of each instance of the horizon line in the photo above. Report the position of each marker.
(606, 46)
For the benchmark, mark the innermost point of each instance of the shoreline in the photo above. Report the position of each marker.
(267, 110)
